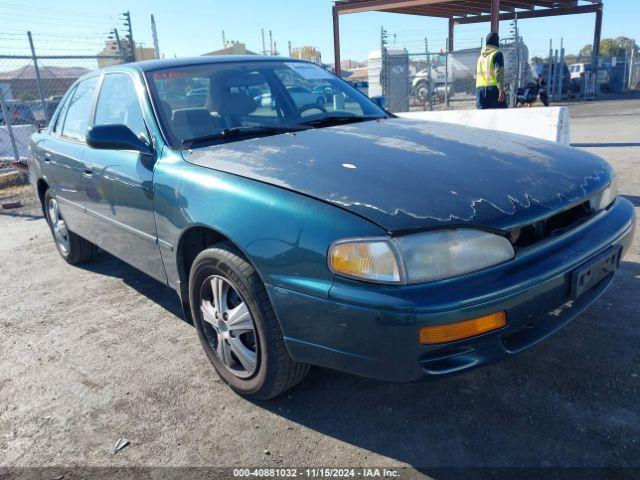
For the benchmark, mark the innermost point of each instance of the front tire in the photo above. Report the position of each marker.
(237, 325)
(72, 248)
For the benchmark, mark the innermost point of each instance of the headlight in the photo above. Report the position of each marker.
(606, 197)
(365, 259)
(419, 258)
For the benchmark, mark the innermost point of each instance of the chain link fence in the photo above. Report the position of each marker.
(31, 87)
(439, 81)
(447, 80)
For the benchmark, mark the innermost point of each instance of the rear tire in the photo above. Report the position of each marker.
(253, 360)
(73, 248)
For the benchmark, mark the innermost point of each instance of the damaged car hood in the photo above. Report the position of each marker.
(410, 174)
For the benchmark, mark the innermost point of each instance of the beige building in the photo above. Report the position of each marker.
(233, 48)
(111, 48)
(307, 53)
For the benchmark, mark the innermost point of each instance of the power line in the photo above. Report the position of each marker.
(53, 10)
(67, 22)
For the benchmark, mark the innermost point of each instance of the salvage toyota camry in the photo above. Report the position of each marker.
(326, 233)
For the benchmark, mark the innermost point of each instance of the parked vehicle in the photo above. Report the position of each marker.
(20, 113)
(578, 70)
(420, 83)
(41, 113)
(325, 91)
(301, 95)
(311, 235)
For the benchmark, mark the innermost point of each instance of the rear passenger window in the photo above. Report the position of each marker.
(118, 104)
(76, 118)
(59, 120)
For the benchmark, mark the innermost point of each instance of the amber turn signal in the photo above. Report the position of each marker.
(459, 330)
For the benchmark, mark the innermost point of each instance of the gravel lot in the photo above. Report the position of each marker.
(91, 354)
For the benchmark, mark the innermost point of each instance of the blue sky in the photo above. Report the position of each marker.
(195, 27)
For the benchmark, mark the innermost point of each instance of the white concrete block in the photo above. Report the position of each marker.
(546, 123)
(21, 133)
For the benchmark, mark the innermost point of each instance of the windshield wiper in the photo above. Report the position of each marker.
(330, 120)
(243, 131)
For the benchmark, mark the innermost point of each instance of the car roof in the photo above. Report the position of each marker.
(151, 65)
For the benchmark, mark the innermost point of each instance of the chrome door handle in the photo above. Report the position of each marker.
(87, 172)
(47, 157)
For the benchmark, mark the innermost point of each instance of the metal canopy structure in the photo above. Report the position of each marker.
(460, 12)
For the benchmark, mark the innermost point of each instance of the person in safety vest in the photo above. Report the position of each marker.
(490, 75)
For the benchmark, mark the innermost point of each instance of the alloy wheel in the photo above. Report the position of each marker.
(229, 326)
(58, 225)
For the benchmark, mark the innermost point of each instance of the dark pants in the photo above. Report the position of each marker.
(487, 97)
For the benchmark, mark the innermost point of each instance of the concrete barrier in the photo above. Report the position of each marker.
(550, 123)
(22, 133)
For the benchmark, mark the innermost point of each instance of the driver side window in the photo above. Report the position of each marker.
(118, 104)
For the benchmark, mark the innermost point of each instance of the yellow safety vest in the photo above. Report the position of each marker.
(487, 73)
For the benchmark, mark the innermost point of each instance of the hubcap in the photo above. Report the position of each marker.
(229, 326)
(58, 225)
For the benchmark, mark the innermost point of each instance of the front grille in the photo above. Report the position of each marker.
(550, 227)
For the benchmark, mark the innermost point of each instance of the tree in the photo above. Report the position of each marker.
(610, 47)
(536, 60)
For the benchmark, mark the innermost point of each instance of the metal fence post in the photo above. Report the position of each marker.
(7, 121)
(561, 68)
(631, 68)
(549, 75)
(446, 75)
(553, 72)
(625, 77)
(38, 79)
(429, 77)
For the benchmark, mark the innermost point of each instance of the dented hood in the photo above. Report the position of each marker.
(410, 174)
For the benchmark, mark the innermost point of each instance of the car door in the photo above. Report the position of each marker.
(121, 199)
(63, 151)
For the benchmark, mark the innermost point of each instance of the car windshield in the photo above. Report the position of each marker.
(222, 102)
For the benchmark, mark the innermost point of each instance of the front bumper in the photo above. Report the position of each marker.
(372, 330)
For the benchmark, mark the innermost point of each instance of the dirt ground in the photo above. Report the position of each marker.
(92, 354)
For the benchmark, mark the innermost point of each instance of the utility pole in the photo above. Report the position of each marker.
(129, 36)
(264, 46)
(154, 34)
(224, 39)
(290, 50)
(270, 43)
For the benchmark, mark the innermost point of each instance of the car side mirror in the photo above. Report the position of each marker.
(116, 137)
(381, 101)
